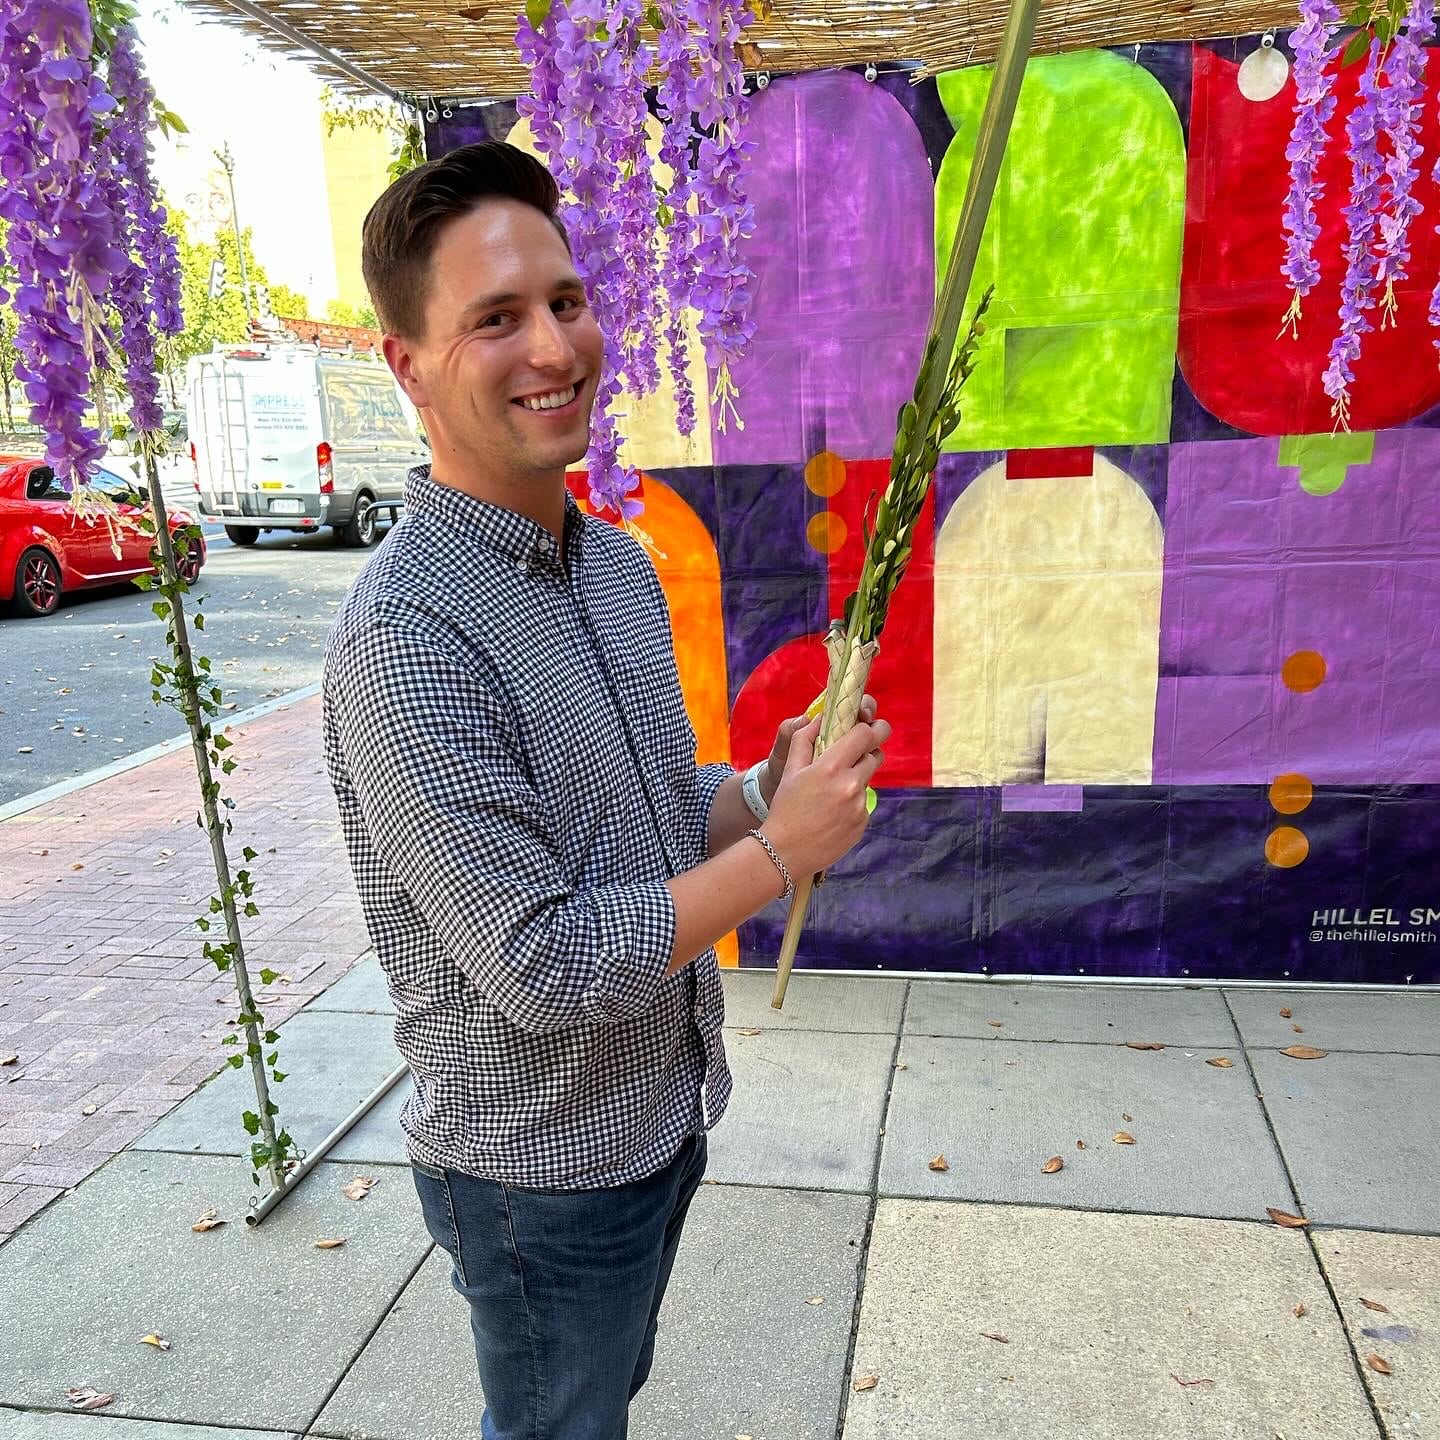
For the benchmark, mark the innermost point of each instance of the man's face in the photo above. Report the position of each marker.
(507, 368)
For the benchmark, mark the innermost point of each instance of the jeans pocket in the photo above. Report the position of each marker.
(429, 1171)
(438, 1208)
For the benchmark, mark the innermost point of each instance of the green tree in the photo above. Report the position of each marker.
(288, 304)
(339, 312)
(402, 127)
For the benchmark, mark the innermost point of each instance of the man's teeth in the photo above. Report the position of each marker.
(549, 402)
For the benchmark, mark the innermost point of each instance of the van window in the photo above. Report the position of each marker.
(364, 410)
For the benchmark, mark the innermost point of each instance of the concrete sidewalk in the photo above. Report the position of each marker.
(1139, 1290)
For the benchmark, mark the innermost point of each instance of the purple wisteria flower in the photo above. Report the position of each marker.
(61, 239)
(1314, 106)
(1361, 216)
(1399, 109)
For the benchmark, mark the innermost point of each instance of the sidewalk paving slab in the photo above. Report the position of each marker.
(805, 1112)
(361, 989)
(1358, 1133)
(1104, 1315)
(998, 1112)
(1099, 1014)
(1402, 1273)
(1398, 1024)
(262, 1324)
(737, 1354)
(42, 1425)
(331, 1062)
(849, 1004)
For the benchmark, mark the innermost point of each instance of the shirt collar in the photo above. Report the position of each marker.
(508, 533)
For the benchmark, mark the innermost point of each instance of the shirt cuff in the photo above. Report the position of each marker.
(637, 939)
(709, 779)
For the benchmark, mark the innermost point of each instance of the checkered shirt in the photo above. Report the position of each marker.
(516, 776)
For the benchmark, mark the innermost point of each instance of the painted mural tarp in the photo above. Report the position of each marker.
(1165, 674)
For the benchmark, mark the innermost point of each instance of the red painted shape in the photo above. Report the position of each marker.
(1233, 295)
(1054, 464)
(903, 679)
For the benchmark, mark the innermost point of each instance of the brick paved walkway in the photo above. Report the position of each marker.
(105, 997)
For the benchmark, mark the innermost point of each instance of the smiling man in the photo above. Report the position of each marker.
(544, 868)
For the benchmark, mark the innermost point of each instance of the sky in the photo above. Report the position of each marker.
(227, 89)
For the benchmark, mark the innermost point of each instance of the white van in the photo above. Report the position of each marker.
(284, 437)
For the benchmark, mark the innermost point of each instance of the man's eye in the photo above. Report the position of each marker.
(569, 302)
(492, 322)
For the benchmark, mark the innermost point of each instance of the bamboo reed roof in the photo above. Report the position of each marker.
(454, 49)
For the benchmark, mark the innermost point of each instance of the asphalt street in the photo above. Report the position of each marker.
(75, 686)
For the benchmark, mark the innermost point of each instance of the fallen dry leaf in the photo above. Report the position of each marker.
(940, 1163)
(1286, 1219)
(1220, 1062)
(867, 1382)
(1298, 1029)
(1379, 1365)
(1079, 1144)
(88, 1109)
(1304, 1052)
(77, 866)
(207, 1222)
(816, 1300)
(901, 1065)
(995, 1024)
(1123, 1137)
(359, 1187)
(1127, 1118)
(8, 1059)
(1179, 1381)
(1053, 1164)
(1298, 1311)
(1374, 1305)
(26, 750)
(86, 1397)
(749, 1030)
(331, 1244)
(1285, 1012)
(990, 1335)
(158, 1341)
(1143, 1045)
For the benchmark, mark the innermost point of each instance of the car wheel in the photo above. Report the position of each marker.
(364, 528)
(242, 534)
(187, 559)
(37, 583)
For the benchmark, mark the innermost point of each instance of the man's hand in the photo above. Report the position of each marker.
(780, 751)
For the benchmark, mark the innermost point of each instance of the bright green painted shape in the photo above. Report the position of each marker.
(1324, 459)
(1083, 248)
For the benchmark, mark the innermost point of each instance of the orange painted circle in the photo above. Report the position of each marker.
(1286, 847)
(1304, 670)
(826, 532)
(825, 473)
(1290, 794)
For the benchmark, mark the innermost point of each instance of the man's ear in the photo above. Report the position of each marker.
(400, 356)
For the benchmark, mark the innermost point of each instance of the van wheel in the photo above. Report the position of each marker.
(37, 583)
(242, 534)
(364, 528)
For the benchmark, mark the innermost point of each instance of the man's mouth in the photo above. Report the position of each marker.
(551, 400)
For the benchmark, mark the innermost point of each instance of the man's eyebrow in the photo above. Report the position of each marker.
(570, 285)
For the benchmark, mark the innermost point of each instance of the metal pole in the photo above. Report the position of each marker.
(315, 1156)
(228, 161)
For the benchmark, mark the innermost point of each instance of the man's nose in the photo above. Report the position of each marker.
(550, 347)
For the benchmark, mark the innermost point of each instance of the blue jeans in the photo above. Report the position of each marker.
(564, 1288)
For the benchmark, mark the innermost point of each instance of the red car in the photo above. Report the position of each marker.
(46, 549)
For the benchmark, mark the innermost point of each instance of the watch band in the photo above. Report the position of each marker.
(754, 796)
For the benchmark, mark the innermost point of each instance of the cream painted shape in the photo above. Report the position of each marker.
(1047, 631)
(650, 439)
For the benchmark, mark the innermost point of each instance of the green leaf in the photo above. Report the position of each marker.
(201, 923)
(1358, 46)
(269, 976)
(653, 18)
(199, 620)
(236, 1062)
(250, 854)
(537, 12)
(272, 1037)
(277, 1076)
(231, 1040)
(160, 609)
(250, 1120)
(252, 909)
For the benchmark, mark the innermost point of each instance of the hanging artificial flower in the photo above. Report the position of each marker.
(61, 238)
(1314, 106)
(1362, 224)
(587, 108)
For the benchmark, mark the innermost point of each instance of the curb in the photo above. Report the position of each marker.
(62, 788)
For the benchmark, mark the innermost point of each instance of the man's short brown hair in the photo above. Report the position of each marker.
(404, 225)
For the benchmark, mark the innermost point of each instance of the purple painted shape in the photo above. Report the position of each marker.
(1020, 798)
(1256, 569)
(844, 262)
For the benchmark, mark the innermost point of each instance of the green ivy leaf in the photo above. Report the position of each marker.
(268, 976)
(251, 1120)
(251, 909)
(1358, 46)
(537, 12)
(199, 620)
(236, 1062)
(277, 1076)
(250, 854)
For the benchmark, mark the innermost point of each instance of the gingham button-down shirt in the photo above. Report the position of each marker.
(516, 777)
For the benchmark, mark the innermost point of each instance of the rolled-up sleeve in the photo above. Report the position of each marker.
(449, 809)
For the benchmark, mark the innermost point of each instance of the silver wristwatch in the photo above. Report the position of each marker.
(754, 796)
